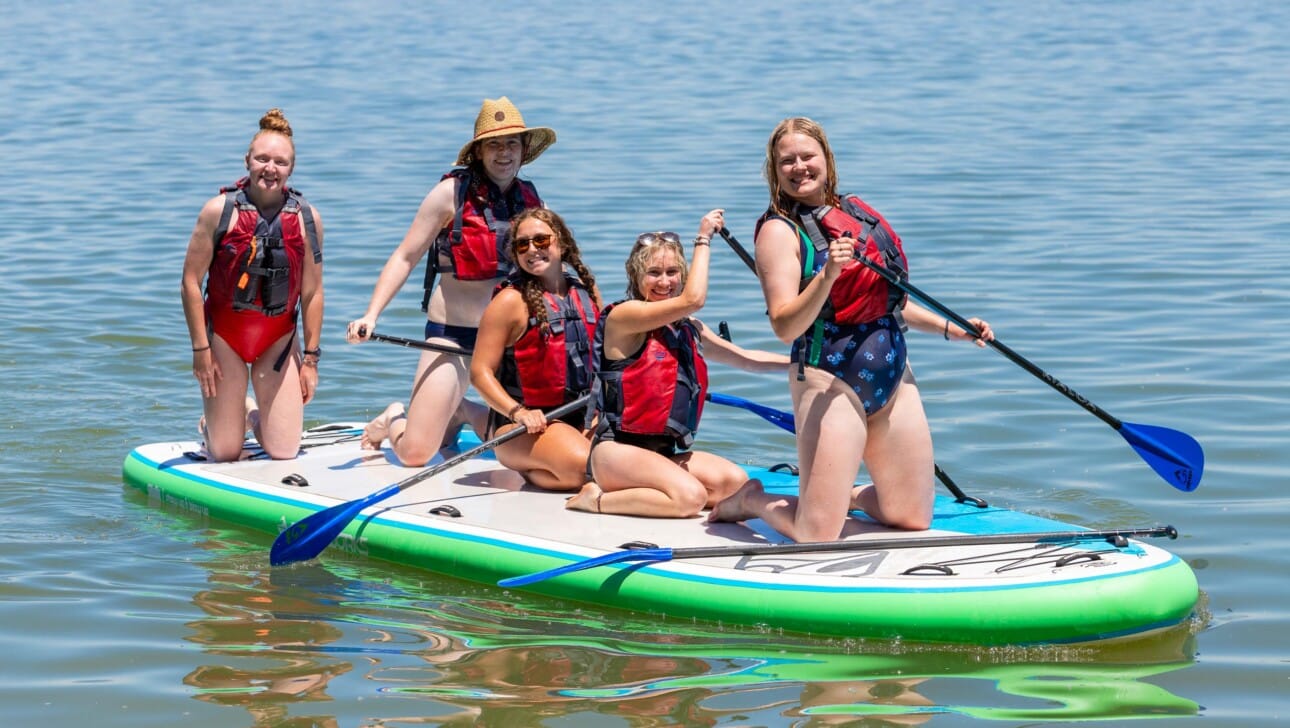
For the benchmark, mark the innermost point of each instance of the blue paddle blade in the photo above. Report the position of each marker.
(311, 535)
(1175, 456)
(783, 420)
(660, 554)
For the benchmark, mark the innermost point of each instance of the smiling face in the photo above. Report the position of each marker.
(535, 260)
(801, 168)
(269, 163)
(663, 276)
(501, 157)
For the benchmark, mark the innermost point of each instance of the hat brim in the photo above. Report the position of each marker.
(537, 139)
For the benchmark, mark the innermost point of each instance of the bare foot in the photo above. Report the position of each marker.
(376, 431)
(733, 507)
(587, 499)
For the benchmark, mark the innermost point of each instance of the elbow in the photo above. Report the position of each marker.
(782, 331)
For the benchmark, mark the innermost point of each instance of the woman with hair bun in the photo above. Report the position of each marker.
(533, 352)
(258, 245)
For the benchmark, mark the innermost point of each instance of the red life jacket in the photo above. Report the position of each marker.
(548, 366)
(475, 243)
(659, 390)
(859, 295)
(257, 263)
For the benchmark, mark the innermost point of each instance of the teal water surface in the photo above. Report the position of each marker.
(1106, 183)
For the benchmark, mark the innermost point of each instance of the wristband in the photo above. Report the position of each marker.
(702, 240)
(316, 353)
(511, 414)
(947, 329)
(201, 348)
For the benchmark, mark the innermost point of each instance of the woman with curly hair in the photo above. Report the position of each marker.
(533, 352)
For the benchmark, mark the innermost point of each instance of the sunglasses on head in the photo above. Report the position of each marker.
(541, 241)
(651, 238)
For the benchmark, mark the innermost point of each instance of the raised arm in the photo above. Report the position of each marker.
(629, 321)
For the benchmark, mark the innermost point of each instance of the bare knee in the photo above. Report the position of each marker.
(224, 453)
(414, 457)
(909, 522)
(690, 501)
(282, 452)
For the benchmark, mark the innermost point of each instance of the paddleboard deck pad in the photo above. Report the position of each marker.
(480, 521)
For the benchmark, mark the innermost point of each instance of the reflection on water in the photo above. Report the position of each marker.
(418, 649)
(246, 615)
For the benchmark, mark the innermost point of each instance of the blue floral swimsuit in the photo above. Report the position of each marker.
(869, 357)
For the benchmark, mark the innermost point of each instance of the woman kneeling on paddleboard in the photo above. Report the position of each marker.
(462, 225)
(854, 397)
(651, 381)
(258, 244)
(533, 352)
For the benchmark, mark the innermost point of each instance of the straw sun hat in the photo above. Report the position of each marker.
(500, 118)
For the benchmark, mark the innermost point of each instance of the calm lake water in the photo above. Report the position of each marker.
(1105, 182)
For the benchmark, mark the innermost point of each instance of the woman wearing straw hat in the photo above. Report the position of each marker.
(464, 224)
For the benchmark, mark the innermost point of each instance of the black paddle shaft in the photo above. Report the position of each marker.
(414, 344)
(753, 549)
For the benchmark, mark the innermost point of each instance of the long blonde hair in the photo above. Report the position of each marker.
(781, 203)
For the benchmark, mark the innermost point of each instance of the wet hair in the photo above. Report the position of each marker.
(780, 202)
(274, 122)
(529, 286)
(642, 252)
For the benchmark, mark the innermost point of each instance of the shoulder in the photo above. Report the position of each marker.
(212, 210)
(442, 197)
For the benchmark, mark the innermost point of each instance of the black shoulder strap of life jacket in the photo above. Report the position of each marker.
(234, 197)
(307, 219)
(443, 242)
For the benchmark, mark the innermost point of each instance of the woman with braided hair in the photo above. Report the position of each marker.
(533, 352)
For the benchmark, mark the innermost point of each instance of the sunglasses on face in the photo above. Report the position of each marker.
(541, 241)
(651, 238)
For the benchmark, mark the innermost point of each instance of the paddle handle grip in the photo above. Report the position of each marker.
(414, 344)
(739, 249)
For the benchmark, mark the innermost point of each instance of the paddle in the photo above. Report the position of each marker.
(876, 544)
(1175, 456)
(308, 537)
(415, 344)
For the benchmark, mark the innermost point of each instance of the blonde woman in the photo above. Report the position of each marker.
(651, 356)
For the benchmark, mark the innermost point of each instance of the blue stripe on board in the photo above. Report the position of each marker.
(714, 581)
